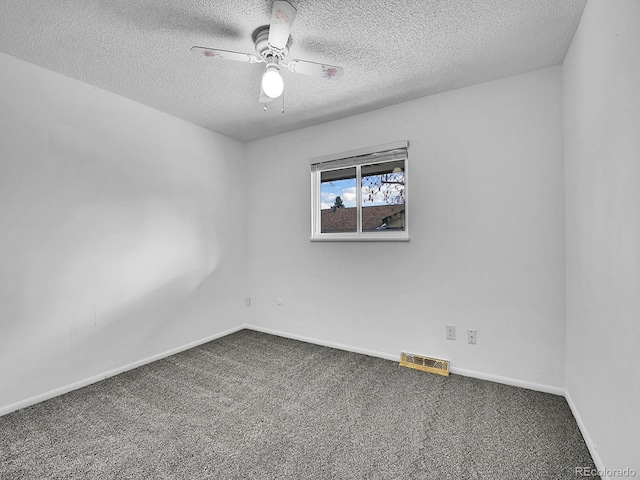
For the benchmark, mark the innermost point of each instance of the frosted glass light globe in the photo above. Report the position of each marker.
(272, 83)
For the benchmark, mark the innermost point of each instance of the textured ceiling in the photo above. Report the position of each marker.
(392, 51)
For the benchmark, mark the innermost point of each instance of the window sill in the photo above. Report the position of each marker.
(363, 237)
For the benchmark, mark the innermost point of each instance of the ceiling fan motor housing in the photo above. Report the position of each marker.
(263, 49)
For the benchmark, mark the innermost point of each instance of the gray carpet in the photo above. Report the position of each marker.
(256, 406)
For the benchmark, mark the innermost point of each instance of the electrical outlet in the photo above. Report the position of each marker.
(247, 301)
(472, 336)
(451, 332)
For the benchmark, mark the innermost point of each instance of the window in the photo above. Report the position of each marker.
(360, 195)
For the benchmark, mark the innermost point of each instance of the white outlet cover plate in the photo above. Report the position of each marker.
(451, 332)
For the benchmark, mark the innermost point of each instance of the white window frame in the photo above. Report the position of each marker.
(357, 158)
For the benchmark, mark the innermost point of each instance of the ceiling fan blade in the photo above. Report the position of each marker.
(225, 55)
(322, 70)
(282, 16)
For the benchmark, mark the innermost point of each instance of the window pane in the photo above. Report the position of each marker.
(338, 201)
(383, 196)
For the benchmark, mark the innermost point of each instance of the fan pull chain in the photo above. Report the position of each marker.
(264, 105)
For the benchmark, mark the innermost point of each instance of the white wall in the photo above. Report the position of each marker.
(487, 234)
(121, 232)
(602, 153)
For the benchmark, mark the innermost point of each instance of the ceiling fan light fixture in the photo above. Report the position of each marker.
(272, 82)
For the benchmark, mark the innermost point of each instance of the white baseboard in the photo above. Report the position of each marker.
(539, 387)
(96, 378)
(396, 358)
(324, 343)
(587, 438)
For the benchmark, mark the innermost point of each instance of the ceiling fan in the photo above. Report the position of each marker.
(272, 47)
